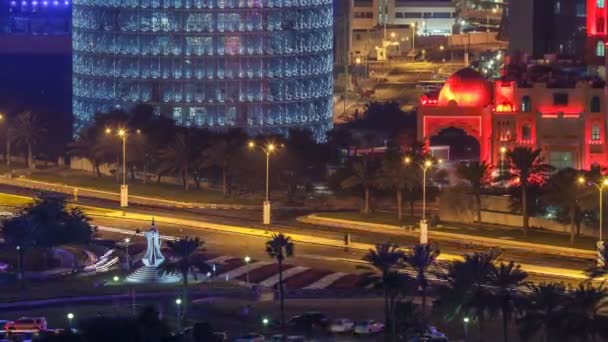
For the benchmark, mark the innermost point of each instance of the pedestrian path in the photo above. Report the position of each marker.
(272, 281)
(242, 270)
(325, 281)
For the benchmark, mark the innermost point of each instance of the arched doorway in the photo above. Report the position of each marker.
(456, 143)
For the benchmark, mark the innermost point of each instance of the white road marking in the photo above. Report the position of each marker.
(325, 281)
(272, 281)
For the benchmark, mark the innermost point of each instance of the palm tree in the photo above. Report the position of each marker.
(467, 292)
(19, 233)
(544, 311)
(179, 157)
(224, 151)
(506, 279)
(362, 175)
(394, 175)
(184, 251)
(279, 248)
(526, 167)
(422, 257)
(28, 130)
(584, 318)
(563, 191)
(478, 175)
(385, 258)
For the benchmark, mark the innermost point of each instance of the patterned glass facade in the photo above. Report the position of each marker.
(265, 65)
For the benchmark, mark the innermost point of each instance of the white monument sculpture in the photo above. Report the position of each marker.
(152, 260)
(153, 257)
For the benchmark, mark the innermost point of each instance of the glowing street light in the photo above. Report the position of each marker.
(247, 261)
(127, 242)
(124, 189)
(600, 188)
(425, 166)
(465, 322)
(70, 317)
(503, 151)
(116, 279)
(268, 150)
(441, 47)
(178, 302)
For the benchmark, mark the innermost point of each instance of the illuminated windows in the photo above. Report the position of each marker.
(600, 4)
(595, 106)
(526, 132)
(595, 132)
(265, 66)
(600, 48)
(526, 104)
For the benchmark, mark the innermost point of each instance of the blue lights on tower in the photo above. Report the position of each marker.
(263, 65)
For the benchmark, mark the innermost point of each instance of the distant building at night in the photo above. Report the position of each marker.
(435, 17)
(265, 66)
(36, 17)
(540, 27)
(563, 117)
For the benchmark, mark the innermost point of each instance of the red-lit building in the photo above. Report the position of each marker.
(597, 32)
(566, 120)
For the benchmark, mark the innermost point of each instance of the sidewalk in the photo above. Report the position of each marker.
(443, 236)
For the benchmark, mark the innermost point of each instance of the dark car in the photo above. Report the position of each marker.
(309, 320)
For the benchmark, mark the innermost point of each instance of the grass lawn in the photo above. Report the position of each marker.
(488, 230)
(164, 191)
(7, 200)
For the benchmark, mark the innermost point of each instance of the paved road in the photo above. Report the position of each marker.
(285, 222)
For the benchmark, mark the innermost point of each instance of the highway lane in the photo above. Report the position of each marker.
(284, 221)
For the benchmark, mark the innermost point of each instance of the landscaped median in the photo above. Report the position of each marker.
(144, 194)
(490, 236)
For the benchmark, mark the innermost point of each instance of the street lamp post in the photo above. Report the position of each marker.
(600, 243)
(247, 261)
(178, 302)
(268, 150)
(70, 318)
(503, 150)
(425, 166)
(124, 188)
(465, 323)
(128, 259)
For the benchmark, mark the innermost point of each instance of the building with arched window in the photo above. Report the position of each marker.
(563, 119)
(265, 66)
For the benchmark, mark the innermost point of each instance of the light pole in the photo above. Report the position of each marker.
(425, 166)
(503, 151)
(247, 261)
(268, 150)
(127, 242)
(600, 243)
(178, 302)
(465, 322)
(70, 318)
(124, 188)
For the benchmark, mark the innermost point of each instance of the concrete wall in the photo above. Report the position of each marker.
(460, 207)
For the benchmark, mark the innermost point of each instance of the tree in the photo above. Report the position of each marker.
(584, 318)
(396, 176)
(544, 311)
(363, 175)
(506, 279)
(385, 258)
(422, 257)
(223, 152)
(19, 233)
(467, 292)
(183, 262)
(562, 190)
(9, 138)
(88, 145)
(181, 155)
(526, 167)
(478, 175)
(279, 248)
(28, 130)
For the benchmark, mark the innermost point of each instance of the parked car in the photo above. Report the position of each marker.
(251, 337)
(309, 320)
(27, 323)
(220, 336)
(368, 327)
(290, 338)
(341, 325)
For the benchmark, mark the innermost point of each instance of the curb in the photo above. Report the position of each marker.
(483, 241)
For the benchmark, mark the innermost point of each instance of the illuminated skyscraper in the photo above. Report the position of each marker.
(264, 65)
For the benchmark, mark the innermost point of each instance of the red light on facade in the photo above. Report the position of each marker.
(466, 88)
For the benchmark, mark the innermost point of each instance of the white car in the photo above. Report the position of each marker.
(341, 325)
(368, 327)
(251, 337)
